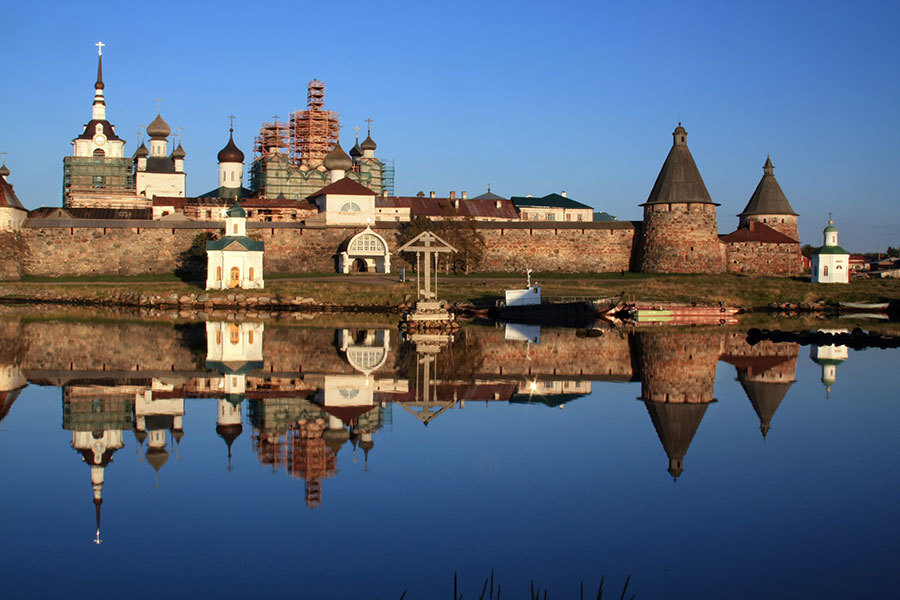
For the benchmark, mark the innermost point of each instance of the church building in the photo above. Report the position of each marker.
(830, 263)
(235, 260)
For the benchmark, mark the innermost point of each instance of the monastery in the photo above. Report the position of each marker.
(315, 207)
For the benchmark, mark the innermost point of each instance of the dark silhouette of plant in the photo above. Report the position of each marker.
(192, 262)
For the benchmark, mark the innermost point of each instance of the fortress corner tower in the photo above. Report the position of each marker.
(680, 231)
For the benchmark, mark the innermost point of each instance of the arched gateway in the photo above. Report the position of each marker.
(365, 252)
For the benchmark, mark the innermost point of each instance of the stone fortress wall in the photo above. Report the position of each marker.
(75, 247)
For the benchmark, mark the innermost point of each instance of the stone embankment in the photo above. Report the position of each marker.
(200, 304)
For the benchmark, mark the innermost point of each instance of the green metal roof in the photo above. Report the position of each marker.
(243, 240)
(236, 210)
(831, 250)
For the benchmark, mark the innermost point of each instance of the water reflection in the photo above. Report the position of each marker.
(310, 392)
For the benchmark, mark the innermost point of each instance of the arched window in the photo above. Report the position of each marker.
(218, 273)
(235, 277)
(235, 228)
(234, 333)
(99, 153)
(350, 207)
(250, 277)
(250, 336)
(219, 337)
(368, 244)
(825, 270)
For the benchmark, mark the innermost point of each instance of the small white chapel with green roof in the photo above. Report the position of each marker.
(235, 260)
(831, 263)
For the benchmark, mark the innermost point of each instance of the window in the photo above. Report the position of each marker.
(250, 333)
(551, 217)
(580, 217)
(218, 273)
(235, 229)
(350, 207)
(250, 276)
(825, 270)
(99, 153)
(98, 181)
(234, 333)
(367, 243)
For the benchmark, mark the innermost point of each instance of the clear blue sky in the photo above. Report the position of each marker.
(531, 97)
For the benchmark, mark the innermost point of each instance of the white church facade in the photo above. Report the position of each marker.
(235, 260)
(831, 263)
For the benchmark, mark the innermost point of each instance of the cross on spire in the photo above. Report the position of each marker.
(158, 105)
(3, 154)
(357, 133)
(179, 134)
(99, 48)
(231, 119)
(369, 127)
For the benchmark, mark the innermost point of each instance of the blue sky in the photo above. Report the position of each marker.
(531, 97)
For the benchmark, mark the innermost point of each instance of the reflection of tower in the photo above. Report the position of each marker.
(829, 357)
(157, 411)
(766, 371)
(97, 418)
(233, 349)
(12, 380)
(288, 432)
(678, 374)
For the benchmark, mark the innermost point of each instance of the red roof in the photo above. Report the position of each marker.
(345, 187)
(757, 232)
(443, 207)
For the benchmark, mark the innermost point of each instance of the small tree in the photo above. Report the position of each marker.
(807, 250)
(192, 262)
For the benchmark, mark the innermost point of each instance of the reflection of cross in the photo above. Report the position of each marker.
(231, 119)
(158, 105)
(369, 121)
(99, 48)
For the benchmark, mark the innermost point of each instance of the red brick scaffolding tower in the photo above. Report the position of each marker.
(680, 231)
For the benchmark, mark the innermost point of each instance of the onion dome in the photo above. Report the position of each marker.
(158, 129)
(157, 457)
(335, 438)
(337, 159)
(178, 152)
(4, 171)
(830, 228)
(368, 143)
(235, 210)
(141, 152)
(356, 151)
(231, 153)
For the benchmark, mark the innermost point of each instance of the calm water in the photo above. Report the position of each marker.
(240, 459)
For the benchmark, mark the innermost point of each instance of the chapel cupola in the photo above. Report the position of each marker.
(231, 163)
(338, 162)
(368, 146)
(830, 233)
(679, 136)
(159, 131)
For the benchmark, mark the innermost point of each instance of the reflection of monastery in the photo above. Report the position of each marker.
(312, 392)
(308, 200)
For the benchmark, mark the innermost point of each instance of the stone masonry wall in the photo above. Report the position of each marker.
(12, 248)
(681, 238)
(764, 259)
(60, 250)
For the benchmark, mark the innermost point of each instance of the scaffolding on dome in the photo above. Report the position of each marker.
(314, 131)
(273, 136)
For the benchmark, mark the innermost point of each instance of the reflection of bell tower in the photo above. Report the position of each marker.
(228, 423)
(678, 374)
(97, 418)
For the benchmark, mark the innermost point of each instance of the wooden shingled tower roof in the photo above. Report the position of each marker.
(768, 199)
(679, 179)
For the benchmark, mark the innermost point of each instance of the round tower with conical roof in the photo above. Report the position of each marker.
(680, 233)
(768, 205)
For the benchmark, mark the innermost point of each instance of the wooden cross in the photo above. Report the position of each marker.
(369, 129)
(99, 48)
